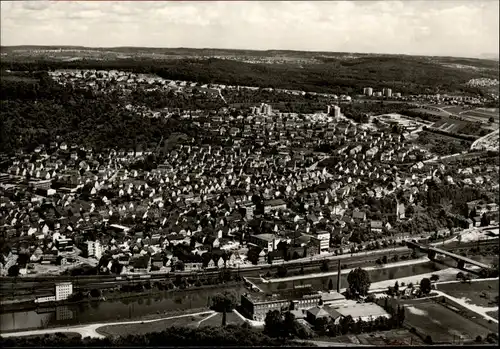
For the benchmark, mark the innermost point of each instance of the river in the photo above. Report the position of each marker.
(85, 313)
(321, 283)
(376, 275)
(113, 310)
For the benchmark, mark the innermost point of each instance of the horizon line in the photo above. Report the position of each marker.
(491, 56)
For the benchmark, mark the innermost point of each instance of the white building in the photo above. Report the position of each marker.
(321, 239)
(365, 311)
(387, 92)
(333, 110)
(45, 299)
(94, 249)
(63, 290)
(265, 109)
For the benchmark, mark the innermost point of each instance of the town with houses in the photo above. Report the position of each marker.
(295, 190)
(228, 205)
(262, 188)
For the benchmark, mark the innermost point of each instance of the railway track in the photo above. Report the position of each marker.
(40, 285)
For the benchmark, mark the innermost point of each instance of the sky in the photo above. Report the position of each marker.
(466, 28)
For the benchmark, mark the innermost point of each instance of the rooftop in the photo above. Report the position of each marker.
(362, 310)
(263, 297)
(331, 296)
(267, 237)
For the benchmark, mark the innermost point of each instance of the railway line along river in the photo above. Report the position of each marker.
(141, 306)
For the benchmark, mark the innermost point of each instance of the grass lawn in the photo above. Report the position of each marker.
(147, 327)
(69, 335)
(442, 324)
(481, 114)
(18, 78)
(393, 337)
(453, 109)
(481, 293)
(231, 319)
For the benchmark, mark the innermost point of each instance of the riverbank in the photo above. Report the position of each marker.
(92, 330)
(345, 271)
(448, 274)
(31, 305)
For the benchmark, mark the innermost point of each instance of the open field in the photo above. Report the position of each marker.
(442, 144)
(474, 114)
(480, 293)
(430, 318)
(482, 116)
(17, 78)
(214, 319)
(393, 337)
(142, 328)
(69, 335)
(430, 111)
(450, 125)
(465, 125)
(453, 109)
(490, 111)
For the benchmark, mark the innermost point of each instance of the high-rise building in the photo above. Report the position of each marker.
(94, 249)
(269, 109)
(368, 91)
(333, 110)
(266, 109)
(387, 92)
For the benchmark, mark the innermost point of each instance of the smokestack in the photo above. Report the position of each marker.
(338, 277)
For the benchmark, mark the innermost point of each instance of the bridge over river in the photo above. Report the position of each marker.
(434, 251)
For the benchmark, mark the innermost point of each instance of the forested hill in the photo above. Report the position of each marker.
(33, 113)
(405, 74)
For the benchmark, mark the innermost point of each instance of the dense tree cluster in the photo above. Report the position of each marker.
(425, 286)
(409, 75)
(440, 207)
(359, 282)
(159, 99)
(436, 145)
(224, 302)
(230, 335)
(283, 325)
(35, 114)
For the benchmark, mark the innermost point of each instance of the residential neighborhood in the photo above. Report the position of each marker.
(266, 193)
